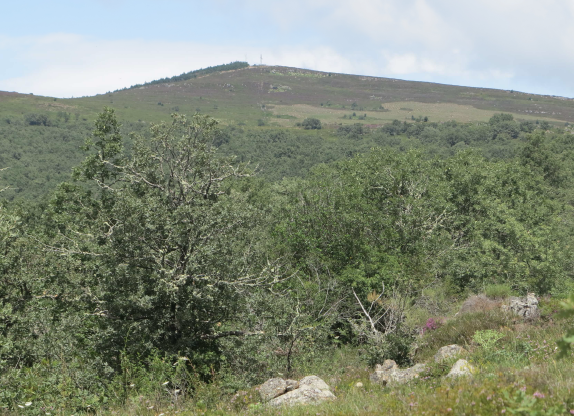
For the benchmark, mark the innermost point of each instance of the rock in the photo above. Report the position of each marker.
(447, 352)
(390, 372)
(526, 307)
(382, 374)
(272, 388)
(461, 368)
(387, 366)
(291, 385)
(406, 375)
(313, 381)
(311, 390)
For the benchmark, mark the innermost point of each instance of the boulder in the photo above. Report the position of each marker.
(314, 382)
(311, 390)
(389, 373)
(447, 352)
(291, 385)
(272, 388)
(526, 307)
(461, 368)
(387, 366)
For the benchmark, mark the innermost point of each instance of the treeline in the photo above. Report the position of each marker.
(281, 153)
(194, 74)
(40, 149)
(168, 265)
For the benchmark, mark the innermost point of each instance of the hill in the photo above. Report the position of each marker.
(168, 278)
(40, 137)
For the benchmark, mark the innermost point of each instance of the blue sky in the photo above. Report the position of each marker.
(76, 48)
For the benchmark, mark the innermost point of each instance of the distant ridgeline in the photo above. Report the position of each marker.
(194, 74)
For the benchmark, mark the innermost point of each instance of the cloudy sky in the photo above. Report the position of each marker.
(71, 48)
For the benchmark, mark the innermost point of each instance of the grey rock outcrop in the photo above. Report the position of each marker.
(291, 385)
(447, 352)
(389, 373)
(308, 390)
(272, 388)
(461, 368)
(314, 382)
(526, 307)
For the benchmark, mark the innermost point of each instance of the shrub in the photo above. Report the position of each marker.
(396, 345)
(487, 338)
(479, 303)
(501, 291)
(430, 325)
(35, 119)
(460, 330)
(311, 124)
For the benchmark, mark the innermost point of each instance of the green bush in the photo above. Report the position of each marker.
(460, 330)
(487, 338)
(311, 124)
(498, 291)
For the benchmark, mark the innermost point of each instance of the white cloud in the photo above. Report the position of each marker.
(512, 44)
(68, 65)
(520, 44)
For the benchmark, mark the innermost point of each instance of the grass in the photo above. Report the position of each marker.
(239, 96)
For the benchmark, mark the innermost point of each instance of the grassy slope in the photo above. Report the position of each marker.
(509, 373)
(246, 95)
(249, 94)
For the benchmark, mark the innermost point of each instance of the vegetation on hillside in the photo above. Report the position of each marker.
(168, 274)
(197, 73)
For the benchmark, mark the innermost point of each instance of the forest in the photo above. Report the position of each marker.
(184, 263)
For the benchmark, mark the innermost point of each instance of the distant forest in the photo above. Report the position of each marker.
(194, 74)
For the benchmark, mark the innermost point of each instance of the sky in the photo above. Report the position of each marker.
(72, 48)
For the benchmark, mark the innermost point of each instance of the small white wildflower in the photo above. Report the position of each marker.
(166, 383)
(20, 406)
(149, 408)
(28, 404)
(132, 385)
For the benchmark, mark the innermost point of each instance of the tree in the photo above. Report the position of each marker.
(311, 124)
(537, 156)
(166, 239)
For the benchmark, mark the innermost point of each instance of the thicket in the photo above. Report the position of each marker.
(40, 156)
(194, 74)
(163, 266)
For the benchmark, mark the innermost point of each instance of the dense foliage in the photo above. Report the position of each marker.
(173, 262)
(197, 73)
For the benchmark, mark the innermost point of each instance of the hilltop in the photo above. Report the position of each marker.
(237, 93)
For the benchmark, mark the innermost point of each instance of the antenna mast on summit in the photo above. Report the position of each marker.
(261, 60)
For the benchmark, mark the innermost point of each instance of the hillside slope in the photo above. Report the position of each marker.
(40, 137)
